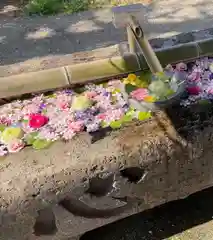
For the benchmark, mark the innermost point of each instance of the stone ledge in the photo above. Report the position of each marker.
(54, 61)
(55, 78)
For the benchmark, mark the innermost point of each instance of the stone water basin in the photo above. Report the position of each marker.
(97, 178)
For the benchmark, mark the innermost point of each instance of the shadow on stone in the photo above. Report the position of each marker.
(162, 222)
(188, 121)
(98, 135)
(45, 223)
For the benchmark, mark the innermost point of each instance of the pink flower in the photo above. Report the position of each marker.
(139, 94)
(112, 115)
(194, 77)
(68, 134)
(30, 108)
(15, 146)
(101, 116)
(194, 90)
(5, 121)
(64, 105)
(169, 68)
(181, 67)
(114, 83)
(76, 126)
(91, 94)
(37, 120)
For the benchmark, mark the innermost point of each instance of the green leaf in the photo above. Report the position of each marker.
(104, 124)
(130, 112)
(2, 127)
(116, 124)
(144, 115)
(51, 96)
(80, 90)
(30, 138)
(169, 92)
(126, 118)
(129, 88)
(145, 78)
(41, 144)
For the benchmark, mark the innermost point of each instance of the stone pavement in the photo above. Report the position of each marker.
(50, 40)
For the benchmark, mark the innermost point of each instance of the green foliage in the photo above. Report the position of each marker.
(51, 7)
(44, 7)
(41, 143)
(144, 116)
(74, 6)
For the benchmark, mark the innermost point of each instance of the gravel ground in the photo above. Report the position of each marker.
(189, 219)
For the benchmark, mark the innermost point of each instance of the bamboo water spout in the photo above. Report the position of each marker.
(128, 16)
(144, 46)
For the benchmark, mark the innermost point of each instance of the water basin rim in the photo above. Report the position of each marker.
(105, 69)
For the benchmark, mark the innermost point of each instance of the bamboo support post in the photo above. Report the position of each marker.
(128, 16)
(144, 46)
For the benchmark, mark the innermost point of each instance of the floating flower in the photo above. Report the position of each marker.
(181, 67)
(31, 108)
(169, 68)
(93, 126)
(210, 91)
(11, 133)
(81, 103)
(64, 105)
(5, 120)
(76, 126)
(139, 94)
(194, 90)
(132, 79)
(15, 145)
(102, 116)
(37, 120)
(90, 94)
(115, 83)
(194, 77)
(150, 99)
(68, 134)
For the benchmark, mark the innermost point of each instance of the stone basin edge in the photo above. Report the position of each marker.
(69, 76)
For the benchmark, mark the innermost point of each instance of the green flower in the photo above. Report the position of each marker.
(11, 133)
(81, 103)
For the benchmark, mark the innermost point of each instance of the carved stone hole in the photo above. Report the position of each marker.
(133, 174)
(100, 187)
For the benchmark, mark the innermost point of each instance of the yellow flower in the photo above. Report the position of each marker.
(143, 84)
(149, 99)
(131, 79)
(160, 74)
(116, 90)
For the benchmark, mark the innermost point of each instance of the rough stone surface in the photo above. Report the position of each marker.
(176, 151)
